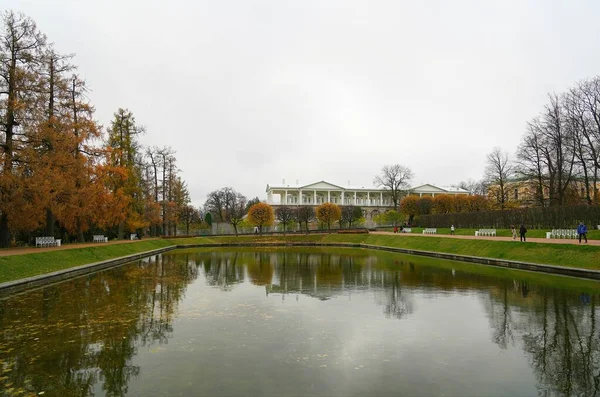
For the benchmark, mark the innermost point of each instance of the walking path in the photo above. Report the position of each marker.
(33, 250)
(532, 240)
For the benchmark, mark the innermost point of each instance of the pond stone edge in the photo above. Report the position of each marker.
(16, 286)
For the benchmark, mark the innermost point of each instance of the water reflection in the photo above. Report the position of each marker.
(83, 337)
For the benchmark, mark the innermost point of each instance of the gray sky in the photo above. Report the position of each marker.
(252, 92)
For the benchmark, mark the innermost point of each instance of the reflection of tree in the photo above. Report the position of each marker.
(501, 319)
(559, 334)
(86, 331)
(398, 304)
(221, 271)
(564, 346)
(260, 270)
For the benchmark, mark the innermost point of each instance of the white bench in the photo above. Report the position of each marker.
(407, 230)
(133, 236)
(598, 227)
(486, 232)
(47, 242)
(99, 238)
(562, 233)
(430, 231)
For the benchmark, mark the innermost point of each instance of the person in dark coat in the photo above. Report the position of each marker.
(522, 232)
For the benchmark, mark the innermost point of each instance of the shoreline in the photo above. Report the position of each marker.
(44, 279)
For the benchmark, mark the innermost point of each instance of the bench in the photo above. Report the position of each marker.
(47, 242)
(486, 232)
(430, 231)
(99, 238)
(133, 236)
(407, 230)
(562, 233)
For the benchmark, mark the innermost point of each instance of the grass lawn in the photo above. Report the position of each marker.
(21, 266)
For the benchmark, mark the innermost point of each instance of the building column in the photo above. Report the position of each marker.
(354, 198)
(300, 198)
(314, 197)
(285, 198)
(328, 196)
(381, 199)
(343, 198)
(368, 199)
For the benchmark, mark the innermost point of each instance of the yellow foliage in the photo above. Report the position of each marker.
(261, 214)
(328, 213)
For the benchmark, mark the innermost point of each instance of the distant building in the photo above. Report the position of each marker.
(373, 200)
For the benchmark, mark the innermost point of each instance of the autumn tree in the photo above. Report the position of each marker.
(21, 51)
(477, 203)
(443, 204)
(394, 179)
(123, 146)
(284, 215)
(328, 213)
(260, 215)
(304, 214)
(409, 207)
(425, 205)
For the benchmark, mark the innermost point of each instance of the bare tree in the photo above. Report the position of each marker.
(497, 173)
(531, 162)
(235, 207)
(350, 214)
(474, 187)
(284, 215)
(305, 214)
(394, 179)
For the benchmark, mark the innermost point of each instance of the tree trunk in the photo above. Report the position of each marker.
(49, 223)
(121, 231)
(4, 232)
(80, 237)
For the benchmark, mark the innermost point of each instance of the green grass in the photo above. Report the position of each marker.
(573, 255)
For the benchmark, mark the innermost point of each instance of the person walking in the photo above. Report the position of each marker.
(513, 230)
(452, 230)
(522, 232)
(582, 232)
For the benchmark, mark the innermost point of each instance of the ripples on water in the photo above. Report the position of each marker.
(300, 322)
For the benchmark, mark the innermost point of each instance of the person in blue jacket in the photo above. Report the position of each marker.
(582, 232)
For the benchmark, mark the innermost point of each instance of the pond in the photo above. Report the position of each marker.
(287, 322)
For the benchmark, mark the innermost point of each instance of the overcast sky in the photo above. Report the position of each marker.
(253, 92)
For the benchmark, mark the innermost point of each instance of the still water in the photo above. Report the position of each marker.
(302, 322)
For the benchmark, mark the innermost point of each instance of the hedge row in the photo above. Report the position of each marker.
(558, 217)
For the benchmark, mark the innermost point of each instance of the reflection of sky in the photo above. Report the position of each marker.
(233, 341)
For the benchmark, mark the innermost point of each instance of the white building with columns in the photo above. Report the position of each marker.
(324, 192)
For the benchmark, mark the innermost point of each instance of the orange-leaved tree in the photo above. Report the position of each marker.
(409, 206)
(328, 213)
(260, 215)
(442, 204)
